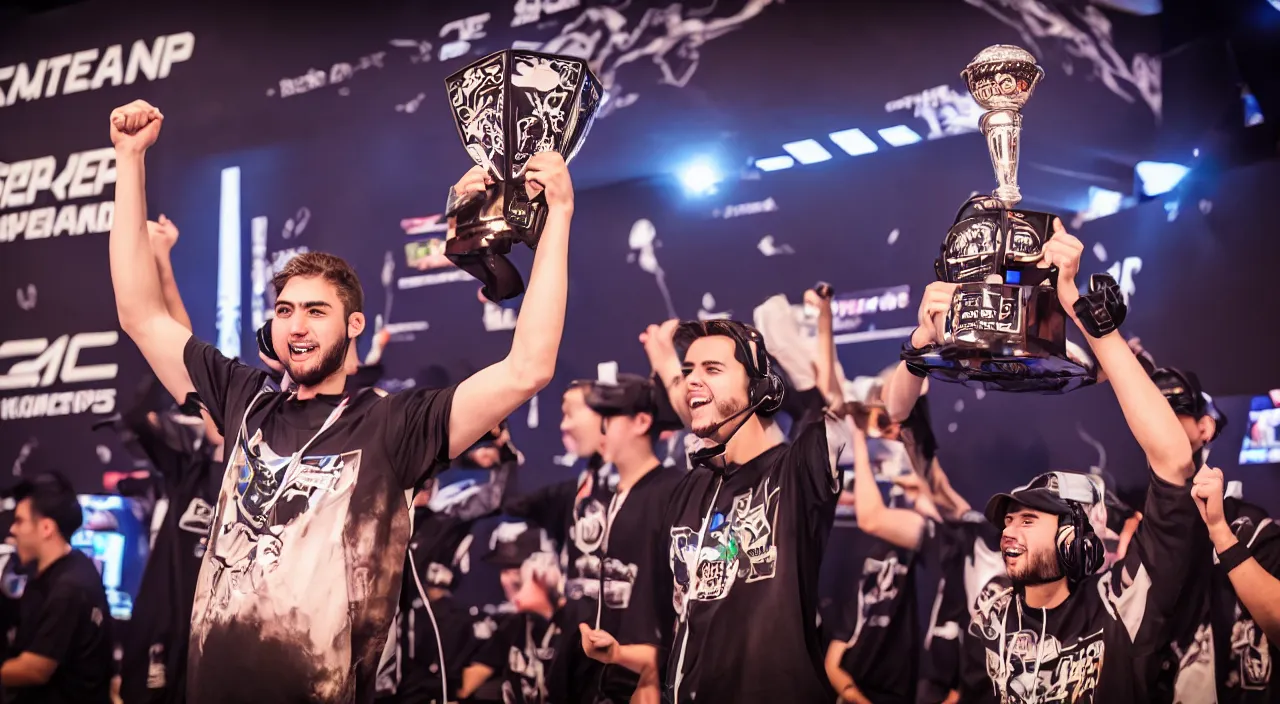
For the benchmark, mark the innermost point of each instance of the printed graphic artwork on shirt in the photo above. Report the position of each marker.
(879, 585)
(1036, 671)
(1250, 656)
(984, 576)
(740, 545)
(529, 662)
(267, 506)
(1196, 679)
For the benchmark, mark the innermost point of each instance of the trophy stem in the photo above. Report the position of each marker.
(1003, 129)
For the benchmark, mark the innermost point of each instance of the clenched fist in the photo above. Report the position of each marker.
(933, 305)
(1206, 489)
(599, 645)
(547, 173)
(1063, 250)
(135, 127)
(659, 342)
(164, 234)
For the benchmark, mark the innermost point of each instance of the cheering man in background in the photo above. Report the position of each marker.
(747, 526)
(300, 583)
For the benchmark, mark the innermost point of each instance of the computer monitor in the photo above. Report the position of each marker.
(116, 539)
(1261, 442)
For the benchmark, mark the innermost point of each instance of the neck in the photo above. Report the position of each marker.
(332, 385)
(633, 464)
(545, 610)
(52, 555)
(1047, 596)
(437, 593)
(756, 436)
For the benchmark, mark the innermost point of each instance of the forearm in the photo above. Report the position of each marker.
(133, 270)
(169, 287)
(826, 360)
(903, 391)
(867, 501)
(22, 671)
(536, 340)
(1255, 587)
(472, 677)
(1150, 417)
(640, 659)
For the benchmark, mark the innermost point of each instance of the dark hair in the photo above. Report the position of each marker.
(52, 497)
(333, 269)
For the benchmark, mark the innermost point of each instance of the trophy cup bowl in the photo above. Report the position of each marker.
(509, 106)
(1006, 328)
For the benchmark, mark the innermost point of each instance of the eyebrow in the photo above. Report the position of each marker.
(307, 304)
(1024, 514)
(703, 363)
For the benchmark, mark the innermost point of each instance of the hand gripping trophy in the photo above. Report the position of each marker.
(1005, 329)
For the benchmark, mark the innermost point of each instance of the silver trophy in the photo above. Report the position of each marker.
(1001, 79)
(509, 106)
(1006, 329)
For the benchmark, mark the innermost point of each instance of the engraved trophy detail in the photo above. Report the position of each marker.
(509, 106)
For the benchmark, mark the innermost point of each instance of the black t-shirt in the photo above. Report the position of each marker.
(522, 653)
(1100, 645)
(1247, 660)
(418, 670)
(627, 531)
(302, 576)
(153, 668)
(970, 569)
(65, 617)
(746, 547)
(880, 626)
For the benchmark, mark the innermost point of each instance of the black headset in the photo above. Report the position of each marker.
(264, 341)
(1080, 551)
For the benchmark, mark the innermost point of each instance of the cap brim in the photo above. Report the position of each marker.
(1035, 499)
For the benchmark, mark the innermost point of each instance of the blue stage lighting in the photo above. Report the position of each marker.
(807, 151)
(899, 135)
(1159, 177)
(853, 142)
(775, 163)
(700, 177)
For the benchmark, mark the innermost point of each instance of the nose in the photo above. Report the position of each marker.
(565, 425)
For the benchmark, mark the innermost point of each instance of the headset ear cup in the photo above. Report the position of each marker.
(1066, 553)
(771, 400)
(264, 342)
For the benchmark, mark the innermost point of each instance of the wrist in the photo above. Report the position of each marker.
(917, 342)
(564, 210)
(1222, 537)
(129, 155)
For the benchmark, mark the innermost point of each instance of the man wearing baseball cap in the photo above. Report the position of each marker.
(1064, 632)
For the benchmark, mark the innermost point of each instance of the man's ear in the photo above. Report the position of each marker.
(1208, 426)
(355, 325)
(643, 422)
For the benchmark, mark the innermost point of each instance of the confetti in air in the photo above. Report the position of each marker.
(953, 427)
(893, 235)
(1099, 251)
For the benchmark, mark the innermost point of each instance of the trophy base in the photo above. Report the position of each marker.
(480, 234)
(991, 370)
(1002, 337)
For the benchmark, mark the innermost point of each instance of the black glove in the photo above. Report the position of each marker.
(1102, 309)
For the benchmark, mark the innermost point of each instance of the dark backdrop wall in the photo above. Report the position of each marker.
(328, 129)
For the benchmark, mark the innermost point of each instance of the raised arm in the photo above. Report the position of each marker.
(164, 235)
(1150, 417)
(904, 387)
(659, 346)
(825, 360)
(493, 393)
(896, 526)
(1254, 582)
(140, 302)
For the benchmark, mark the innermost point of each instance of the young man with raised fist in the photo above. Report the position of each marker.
(299, 586)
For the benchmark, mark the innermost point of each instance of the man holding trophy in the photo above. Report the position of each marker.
(996, 319)
(318, 483)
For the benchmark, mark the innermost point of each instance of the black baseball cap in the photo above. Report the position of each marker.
(1187, 396)
(630, 394)
(1051, 492)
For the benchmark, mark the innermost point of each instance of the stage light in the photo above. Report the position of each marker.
(853, 142)
(775, 163)
(1159, 177)
(1102, 202)
(700, 177)
(229, 264)
(807, 151)
(1252, 110)
(899, 135)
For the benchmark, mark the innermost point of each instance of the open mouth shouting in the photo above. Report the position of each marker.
(302, 351)
(1012, 551)
(698, 399)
